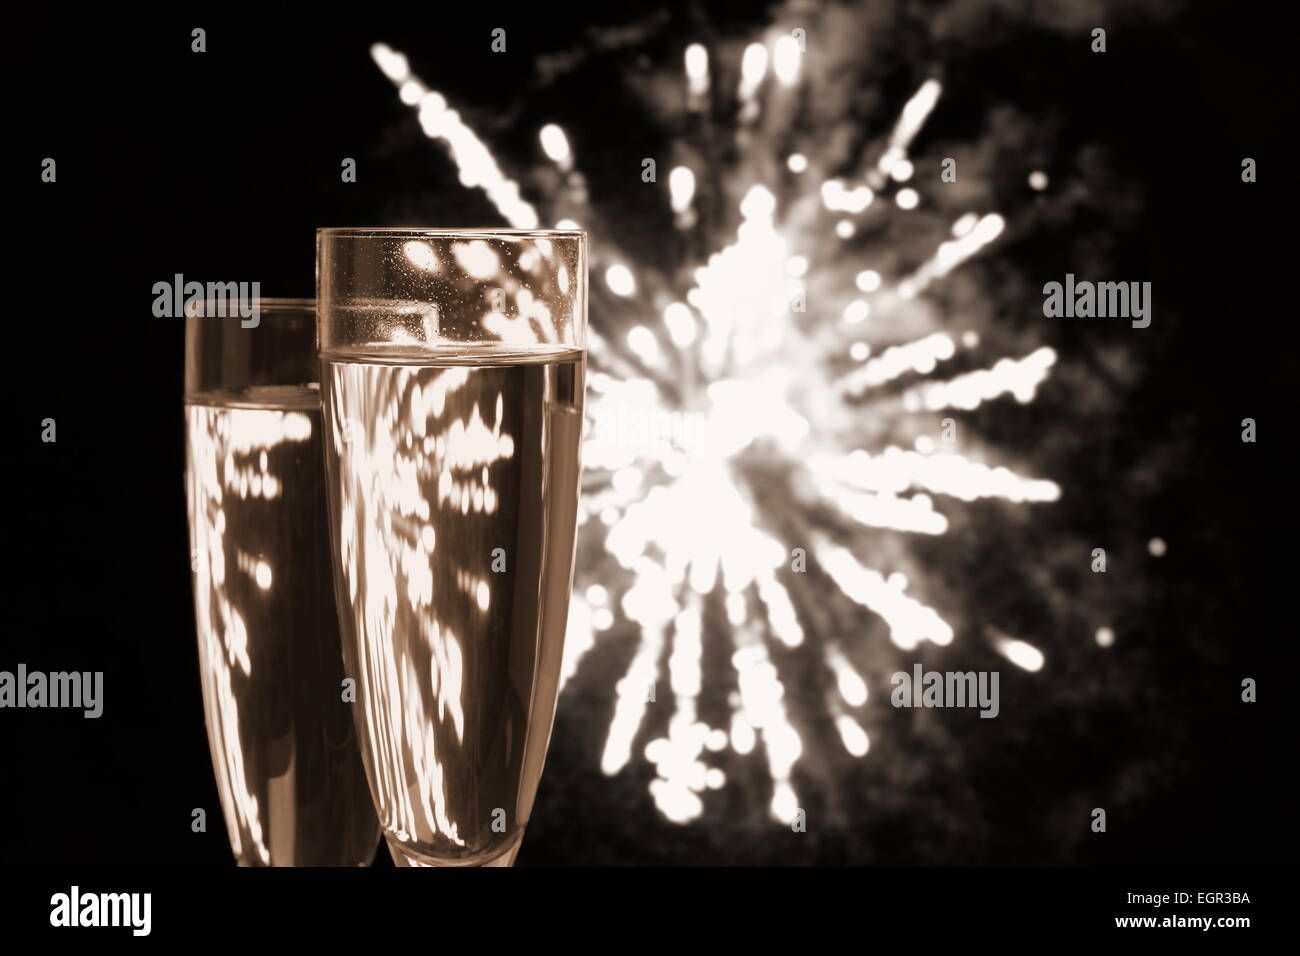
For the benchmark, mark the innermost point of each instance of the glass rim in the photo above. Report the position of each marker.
(268, 304)
(441, 232)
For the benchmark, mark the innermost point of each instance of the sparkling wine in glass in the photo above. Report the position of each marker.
(452, 369)
(281, 732)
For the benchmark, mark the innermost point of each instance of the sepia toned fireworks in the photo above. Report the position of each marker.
(773, 426)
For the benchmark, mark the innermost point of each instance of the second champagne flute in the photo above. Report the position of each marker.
(283, 741)
(453, 369)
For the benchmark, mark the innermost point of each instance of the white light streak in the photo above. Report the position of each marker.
(953, 253)
(753, 67)
(473, 160)
(681, 188)
(620, 280)
(910, 621)
(868, 280)
(839, 198)
(1020, 378)
(556, 145)
(785, 60)
(697, 69)
(1020, 653)
(896, 471)
(393, 64)
(919, 356)
(913, 117)
(856, 311)
(681, 324)
(853, 736)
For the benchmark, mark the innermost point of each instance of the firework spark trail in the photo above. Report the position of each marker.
(664, 494)
(1020, 378)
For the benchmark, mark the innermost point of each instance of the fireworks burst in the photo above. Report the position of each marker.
(760, 422)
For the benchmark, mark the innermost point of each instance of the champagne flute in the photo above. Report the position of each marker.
(280, 726)
(453, 369)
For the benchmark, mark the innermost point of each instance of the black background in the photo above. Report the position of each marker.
(222, 165)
